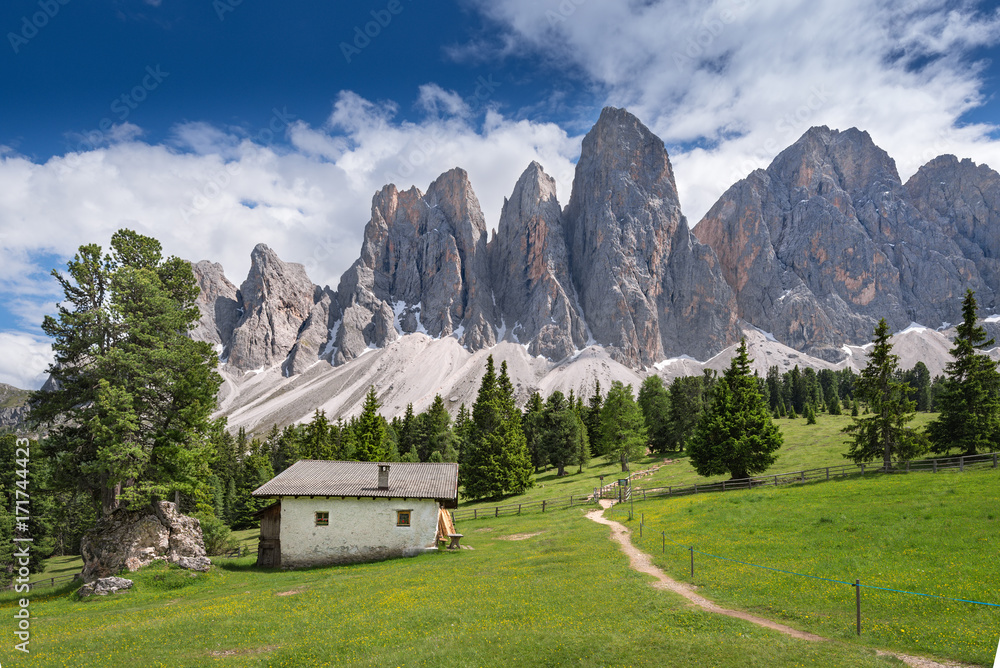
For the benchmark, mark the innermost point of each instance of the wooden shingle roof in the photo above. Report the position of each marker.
(310, 477)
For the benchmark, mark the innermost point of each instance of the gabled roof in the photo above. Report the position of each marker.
(310, 477)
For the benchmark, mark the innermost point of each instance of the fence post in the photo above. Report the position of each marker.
(935, 465)
(994, 460)
(643, 493)
(663, 535)
(862, 469)
(907, 465)
(475, 513)
(496, 512)
(828, 474)
(543, 506)
(692, 561)
(571, 499)
(775, 481)
(961, 463)
(670, 490)
(519, 509)
(723, 485)
(857, 592)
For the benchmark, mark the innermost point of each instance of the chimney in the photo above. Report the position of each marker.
(383, 476)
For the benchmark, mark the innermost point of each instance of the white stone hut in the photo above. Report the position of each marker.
(342, 512)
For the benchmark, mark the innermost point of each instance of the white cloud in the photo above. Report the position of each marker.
(745, 78)
(24, 360)
(213, 193)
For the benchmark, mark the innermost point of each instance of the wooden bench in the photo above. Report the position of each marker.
(455, 537)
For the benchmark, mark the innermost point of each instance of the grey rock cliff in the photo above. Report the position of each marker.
(217, 304)
(826, 241)
(280, 310)
(529, 270)
(646, 287)
(963, 200)
(423, 267)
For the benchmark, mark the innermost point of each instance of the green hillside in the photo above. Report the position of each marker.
(928, 533)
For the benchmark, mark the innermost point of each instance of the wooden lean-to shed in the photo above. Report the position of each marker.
(269, 545)
(342, 512)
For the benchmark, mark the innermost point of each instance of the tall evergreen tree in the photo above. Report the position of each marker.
(130, 412)
(371, 440)
(562, 432)
(883, 433)
(686, 403)
(970, 401)
(533, 424)
(735, 434)
(497, 462)
(592, 420)
(655, 404)
(622, 427)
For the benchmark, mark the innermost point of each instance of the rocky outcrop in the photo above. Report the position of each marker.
(529, 270)
(963, 200)
(13, 407)
(104, 586)
(826, 241)
(423, 268)
(646, 287)
(275, 301)
(129, 540)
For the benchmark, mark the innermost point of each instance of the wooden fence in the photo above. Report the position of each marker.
(611, 491)
(44, 582)
(961, 463)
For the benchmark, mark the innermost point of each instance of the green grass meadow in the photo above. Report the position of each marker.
(806, 446)
(561, 597)
(928, 533)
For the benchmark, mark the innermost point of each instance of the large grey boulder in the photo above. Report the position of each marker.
(530, 273)
(131, 539)
(647, 288)
(104, 586)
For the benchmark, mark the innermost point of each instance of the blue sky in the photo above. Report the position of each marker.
(217, 124)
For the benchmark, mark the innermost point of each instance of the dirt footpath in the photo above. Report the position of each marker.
(642, 562)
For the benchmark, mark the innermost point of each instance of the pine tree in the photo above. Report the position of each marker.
(970, 401)
(622, 426)
(833, 406)
(687, 400)
(371, 441)
(655, 404)
(810, 414)
(884, 434)
(496, 462)
(583, 449)
(130, 412)
(735, 434)
(533, 424)
(316, 441)
(592, 420)
(562, 432)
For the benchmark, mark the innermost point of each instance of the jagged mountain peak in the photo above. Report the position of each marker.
(823, 158)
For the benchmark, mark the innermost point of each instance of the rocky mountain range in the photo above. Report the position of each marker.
(811, 252)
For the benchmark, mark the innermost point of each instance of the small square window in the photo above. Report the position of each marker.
(402, 518)
(322, 519)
